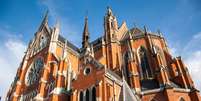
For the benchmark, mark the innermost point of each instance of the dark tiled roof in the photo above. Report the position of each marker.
(97, 41)
(69, 44)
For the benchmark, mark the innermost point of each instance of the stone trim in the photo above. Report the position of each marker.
(59, 90)
(152, 91)
(181, 90)
(43, 80)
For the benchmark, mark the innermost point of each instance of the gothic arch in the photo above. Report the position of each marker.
(34, 70)
(181, 99)
(160, 54)
(154, 99)
(81, 96)
(94, 94)
(87, 95)
(126, 70)
(145, 69)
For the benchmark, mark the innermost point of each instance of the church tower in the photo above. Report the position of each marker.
(122, 65)
(111, 42)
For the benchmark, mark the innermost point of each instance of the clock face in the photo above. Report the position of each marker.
(33, 73)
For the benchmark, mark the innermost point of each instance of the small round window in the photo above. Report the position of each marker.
(87, 70)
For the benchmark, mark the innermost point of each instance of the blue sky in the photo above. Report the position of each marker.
(178, 20)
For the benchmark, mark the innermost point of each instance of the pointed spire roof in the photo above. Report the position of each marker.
(109, 11)
(159, 33)
(145, 30)
(45, 20)
(85, 38)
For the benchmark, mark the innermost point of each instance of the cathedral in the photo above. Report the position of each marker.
(121, 65)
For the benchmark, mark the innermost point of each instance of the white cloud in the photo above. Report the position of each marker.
(197, 36)
(12, 51)
(191, 54)
(194, 64)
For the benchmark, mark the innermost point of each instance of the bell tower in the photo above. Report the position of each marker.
(110, 25)
(112, 48)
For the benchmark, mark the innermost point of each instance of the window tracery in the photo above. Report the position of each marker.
(144, 64)
(33, 73)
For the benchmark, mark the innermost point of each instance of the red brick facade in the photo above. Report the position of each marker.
(122, 65)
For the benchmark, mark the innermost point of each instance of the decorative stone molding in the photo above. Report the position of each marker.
(19, 82)
(59, 91)
(182, 90)
(15, 95)
(43, 80)
(151, 91)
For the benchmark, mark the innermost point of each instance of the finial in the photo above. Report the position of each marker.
(64, 50)
(109, 11)
(145, 29)
(130, 34)
(159, 33)
(130, 51)
(92, 50)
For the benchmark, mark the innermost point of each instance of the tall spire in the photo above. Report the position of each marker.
(145, 30)
(85, 38)
(45, 20)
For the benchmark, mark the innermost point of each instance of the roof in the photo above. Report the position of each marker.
(127, 94)
(69, 44)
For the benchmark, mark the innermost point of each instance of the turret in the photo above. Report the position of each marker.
(110, 25)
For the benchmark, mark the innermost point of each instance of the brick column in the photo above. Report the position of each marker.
(99, 90)
(20, 82)
(185, 74)
(195, 95)
(19, 87)
(161, 75)
(44, 79)
(169, 94)
(179, 66)
(134, 76)
(59, 83)
(74, 96)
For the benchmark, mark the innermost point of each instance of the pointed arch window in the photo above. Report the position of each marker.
(81, 96)
(181, 99)
(145, 67)
(87, 95)
(126, 70)
(94, 94)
